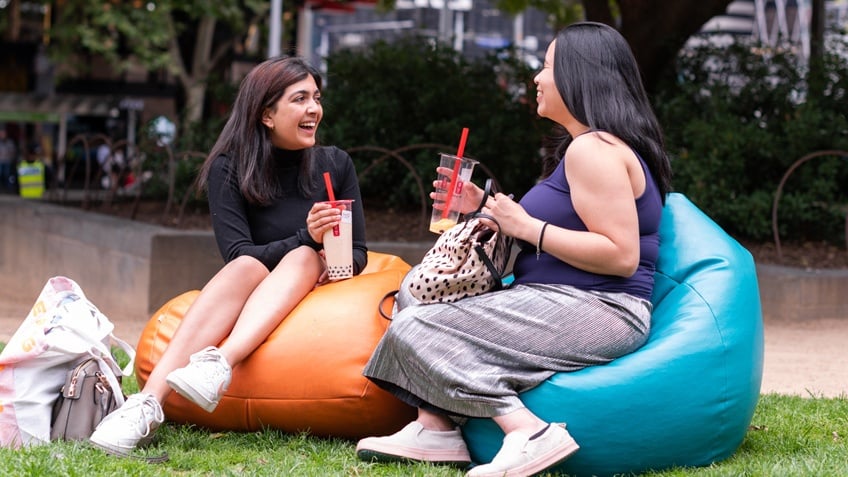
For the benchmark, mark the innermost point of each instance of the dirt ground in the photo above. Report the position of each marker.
(805, 358)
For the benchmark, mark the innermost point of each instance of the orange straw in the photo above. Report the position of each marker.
(456, 165)
(329, 185)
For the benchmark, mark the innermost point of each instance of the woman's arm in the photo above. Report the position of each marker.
(347, 183)
(599, 169)
(605, 178)
(229, 212)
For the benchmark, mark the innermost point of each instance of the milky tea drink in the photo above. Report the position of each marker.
(446, 213)
(338, 243)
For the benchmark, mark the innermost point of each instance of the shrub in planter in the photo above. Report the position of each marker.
(737, 118)
(413, 91)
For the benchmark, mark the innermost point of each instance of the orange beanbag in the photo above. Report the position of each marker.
(307, 376)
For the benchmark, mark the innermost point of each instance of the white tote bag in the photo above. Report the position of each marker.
(62, 328)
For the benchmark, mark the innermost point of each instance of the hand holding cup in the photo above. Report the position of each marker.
(454, 175)
(322, 216)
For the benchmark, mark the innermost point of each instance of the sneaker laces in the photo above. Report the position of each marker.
(212, 361)
(142, 410)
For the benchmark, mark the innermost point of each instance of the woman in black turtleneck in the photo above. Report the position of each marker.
(264, 179)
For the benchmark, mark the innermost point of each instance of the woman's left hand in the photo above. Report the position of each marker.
(321, 218)
(512, 219)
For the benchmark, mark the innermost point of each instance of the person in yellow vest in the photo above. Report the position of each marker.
(31, 176)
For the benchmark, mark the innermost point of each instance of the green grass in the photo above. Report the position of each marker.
(789, 436)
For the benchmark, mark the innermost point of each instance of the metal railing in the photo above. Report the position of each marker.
(136, 157)
(774, 223)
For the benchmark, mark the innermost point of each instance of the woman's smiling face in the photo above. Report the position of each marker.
(294, 120)
(549, 103)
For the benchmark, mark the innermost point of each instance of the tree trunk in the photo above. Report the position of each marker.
(202, 63)
(13, 28)
(599, 11)
(657, 29)
(195, 97)
(816, 74)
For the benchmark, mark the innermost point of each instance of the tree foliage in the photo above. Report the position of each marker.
(414, 92)
(175, 35)
(738, 118)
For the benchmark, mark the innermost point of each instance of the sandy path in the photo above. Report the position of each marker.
(805, 358)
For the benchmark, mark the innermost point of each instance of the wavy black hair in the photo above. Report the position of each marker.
(599, 81)
(246, 141)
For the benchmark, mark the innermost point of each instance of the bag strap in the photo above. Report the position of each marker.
(150, 459)
(129, 350)
(491, 266)
(487, 191)
(388, 295)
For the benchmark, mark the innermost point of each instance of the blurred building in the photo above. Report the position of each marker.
(474, 27)
(776, 22)
(37, 109)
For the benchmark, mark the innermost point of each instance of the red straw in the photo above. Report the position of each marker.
(329, 185)
(332, 198)
(461, 148)
(456, 165)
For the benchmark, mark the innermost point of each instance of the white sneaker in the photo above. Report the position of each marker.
(204, 380)
(521, 456)
(129, 426)
(415, 443)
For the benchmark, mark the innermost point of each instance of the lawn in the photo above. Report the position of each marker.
(788, 436)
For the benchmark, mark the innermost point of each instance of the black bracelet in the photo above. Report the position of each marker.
(539, 242)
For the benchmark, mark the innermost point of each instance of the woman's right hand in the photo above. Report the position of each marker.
(471, 194)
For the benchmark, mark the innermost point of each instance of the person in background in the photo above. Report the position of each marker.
(588, 234)
(8, 158)
(264, 180)
(32, 173)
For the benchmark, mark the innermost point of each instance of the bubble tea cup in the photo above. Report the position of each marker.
(338, 243)
(446, 212)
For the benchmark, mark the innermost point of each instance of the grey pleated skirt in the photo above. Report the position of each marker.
(471, 358)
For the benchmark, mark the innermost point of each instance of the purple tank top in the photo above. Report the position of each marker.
(550, 200)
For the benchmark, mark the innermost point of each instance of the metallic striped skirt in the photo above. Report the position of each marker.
(471, 358)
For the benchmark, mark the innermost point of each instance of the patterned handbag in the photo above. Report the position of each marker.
(468, 259)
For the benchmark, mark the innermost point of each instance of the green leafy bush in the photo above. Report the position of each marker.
(737, 118)
(415, 92)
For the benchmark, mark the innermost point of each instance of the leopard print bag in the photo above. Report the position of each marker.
(468, 259)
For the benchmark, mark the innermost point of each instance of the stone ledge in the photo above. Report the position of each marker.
(125, 267)
(132, 268)
(789, 293)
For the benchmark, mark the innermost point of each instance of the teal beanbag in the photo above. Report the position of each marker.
(686, 398)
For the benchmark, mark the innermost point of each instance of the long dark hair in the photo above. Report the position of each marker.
(599, 81)
(246, 142)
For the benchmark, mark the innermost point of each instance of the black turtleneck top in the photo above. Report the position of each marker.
(269, 232)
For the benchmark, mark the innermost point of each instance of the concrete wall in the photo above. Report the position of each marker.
(132, 268)
(125, 267)
(798, 294)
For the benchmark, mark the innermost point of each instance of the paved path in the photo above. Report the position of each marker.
(805, 358)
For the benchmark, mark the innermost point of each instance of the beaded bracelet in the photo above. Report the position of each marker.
(539, 242)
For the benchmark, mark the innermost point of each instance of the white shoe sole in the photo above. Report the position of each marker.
(108, 447)
(543, 462)
(114, 449)
(185, 390)
(375, 450)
